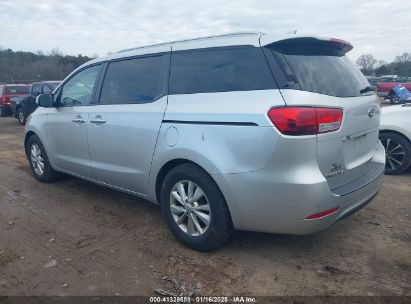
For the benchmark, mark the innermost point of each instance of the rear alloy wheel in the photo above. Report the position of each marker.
(190, 208)
(397, 153)
(194, 208)
(21, 117)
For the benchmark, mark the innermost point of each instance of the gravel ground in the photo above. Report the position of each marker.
(76, 238)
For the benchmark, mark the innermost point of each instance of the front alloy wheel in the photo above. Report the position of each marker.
(37, 160)
(190, 208)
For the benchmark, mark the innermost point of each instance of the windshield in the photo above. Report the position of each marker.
(318, 67)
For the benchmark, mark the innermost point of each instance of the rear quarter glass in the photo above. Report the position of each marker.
(315, 66)
(224, 69)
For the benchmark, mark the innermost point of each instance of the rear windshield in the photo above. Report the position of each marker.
(16, 90)
(319, 67)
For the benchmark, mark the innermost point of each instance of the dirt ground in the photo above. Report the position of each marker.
(76, 238)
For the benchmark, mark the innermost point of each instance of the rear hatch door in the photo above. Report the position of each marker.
(317, 73)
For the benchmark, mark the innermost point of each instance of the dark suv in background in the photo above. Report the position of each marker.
(23, 106)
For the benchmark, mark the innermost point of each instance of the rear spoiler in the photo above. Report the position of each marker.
(342, 45)
(345, 45)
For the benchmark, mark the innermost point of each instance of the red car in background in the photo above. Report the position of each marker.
(384, 88)
(7, 91)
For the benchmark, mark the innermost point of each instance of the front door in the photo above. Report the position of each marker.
(67, 123)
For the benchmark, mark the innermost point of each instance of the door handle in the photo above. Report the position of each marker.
(78, 120)
(98, 120)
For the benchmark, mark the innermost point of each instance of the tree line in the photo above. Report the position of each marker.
(370, 66)
(26, 67)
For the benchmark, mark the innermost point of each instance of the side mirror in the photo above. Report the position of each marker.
(45, 100)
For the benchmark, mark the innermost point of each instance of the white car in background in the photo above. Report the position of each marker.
(395, 135)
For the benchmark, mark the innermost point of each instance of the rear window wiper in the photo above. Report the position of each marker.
(368, 89)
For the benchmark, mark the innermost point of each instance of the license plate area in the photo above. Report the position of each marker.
(359, 148)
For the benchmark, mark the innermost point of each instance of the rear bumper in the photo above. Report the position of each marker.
(259, 202)
(382, 94)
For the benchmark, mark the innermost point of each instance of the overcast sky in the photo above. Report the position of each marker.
(380, 27)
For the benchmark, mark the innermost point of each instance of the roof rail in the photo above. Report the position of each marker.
(194, 39)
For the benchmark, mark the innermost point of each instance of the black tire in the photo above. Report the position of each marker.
(220, 226)
(48, 174)
(21, 116)
(395, 99)
(397, 152)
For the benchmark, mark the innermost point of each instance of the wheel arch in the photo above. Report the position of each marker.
(167, 167)
(26, 139)
(385, 131)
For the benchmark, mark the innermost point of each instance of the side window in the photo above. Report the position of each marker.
(47, 89)
(36, 89)
(79, 89)
(138, 80)
(220, 70)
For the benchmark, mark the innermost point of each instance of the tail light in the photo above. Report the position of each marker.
(5, 99)
(306, 120)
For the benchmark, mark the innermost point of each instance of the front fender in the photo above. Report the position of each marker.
(37, 124)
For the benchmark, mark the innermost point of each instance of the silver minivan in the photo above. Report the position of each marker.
(244, 131)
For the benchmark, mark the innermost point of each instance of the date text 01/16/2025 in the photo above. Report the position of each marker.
(202, 299)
